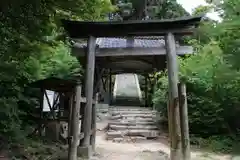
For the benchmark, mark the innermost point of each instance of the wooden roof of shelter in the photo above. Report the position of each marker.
(143, 55)
(55, 84)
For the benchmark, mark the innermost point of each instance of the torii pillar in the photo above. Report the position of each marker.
(173, 105)
(86, 148)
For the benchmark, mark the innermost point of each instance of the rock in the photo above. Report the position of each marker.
(118, 140)
(136, 139)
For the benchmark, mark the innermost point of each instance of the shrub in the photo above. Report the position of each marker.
(212, 92)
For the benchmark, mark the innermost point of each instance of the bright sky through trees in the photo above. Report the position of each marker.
(189, 5)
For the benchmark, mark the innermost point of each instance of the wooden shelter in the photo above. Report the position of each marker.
(65, 90)
(134, 56)
(70, 98)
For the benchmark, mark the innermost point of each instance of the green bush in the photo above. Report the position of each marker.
(212, 92)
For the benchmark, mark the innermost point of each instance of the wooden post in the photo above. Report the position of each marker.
(150, 84)
(72, 153)
(146, 91)
(89, 90)
(94, 124)
(41, 112)
(173, 118)
(71, 103)
(61, 106)
(184, 121)
(110, 87)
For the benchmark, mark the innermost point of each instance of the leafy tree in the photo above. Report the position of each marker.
(211, 74)
(148, 9)
(31, 48)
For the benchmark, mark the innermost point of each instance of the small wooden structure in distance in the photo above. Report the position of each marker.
(104, 62)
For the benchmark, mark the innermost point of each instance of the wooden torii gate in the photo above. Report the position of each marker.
(107, 61)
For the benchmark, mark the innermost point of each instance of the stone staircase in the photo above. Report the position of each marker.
(126, 90)
(131, 124)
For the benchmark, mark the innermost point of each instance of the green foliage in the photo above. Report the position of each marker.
(60, 64)
(212, 79)
(31, 48)
(141, 9)
(213, 96)
(223, 144)
(169, 9)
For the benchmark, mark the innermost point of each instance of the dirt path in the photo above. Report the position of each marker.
(149, 150)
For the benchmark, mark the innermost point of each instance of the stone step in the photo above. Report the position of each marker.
(125, 127)
(132, 123)
(135, 119)
(142, 133)
(129, 109)
(129, 139)
(133, 112)
(114, 134)
(133, 116)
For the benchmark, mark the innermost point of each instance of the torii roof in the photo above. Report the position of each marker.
(83, 29)
(112, 50)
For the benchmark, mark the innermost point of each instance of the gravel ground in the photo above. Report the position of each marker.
(148, 150)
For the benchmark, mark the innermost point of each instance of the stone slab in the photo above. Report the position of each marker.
(132, 112)
(131, 123)
(85, 151)
(137, 119)
(124, 127)
(136, 115)
(144, 133)
(125, 108)
(115, 134)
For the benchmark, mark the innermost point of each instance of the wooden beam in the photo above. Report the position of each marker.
(89, 90)
(136, 51)
(72, 154)
(174, 119)
(184, 121)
